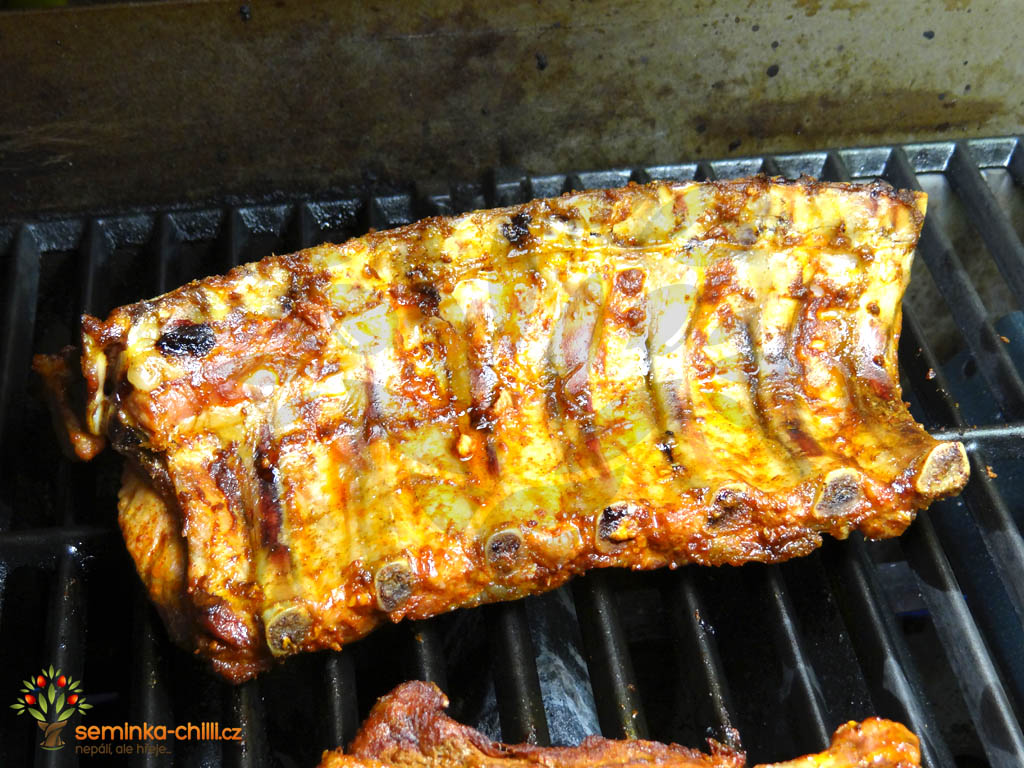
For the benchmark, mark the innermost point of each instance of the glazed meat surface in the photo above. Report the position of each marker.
(408, 727)
(476, 408)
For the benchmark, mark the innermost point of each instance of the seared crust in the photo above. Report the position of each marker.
(474, 409)
(408, 727)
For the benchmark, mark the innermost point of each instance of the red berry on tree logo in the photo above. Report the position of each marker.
(52, 699)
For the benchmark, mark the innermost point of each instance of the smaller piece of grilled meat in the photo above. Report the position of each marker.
(408, 727)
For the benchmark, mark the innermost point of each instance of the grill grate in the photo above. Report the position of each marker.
(784, 653)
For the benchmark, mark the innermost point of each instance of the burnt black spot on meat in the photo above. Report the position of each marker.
(617, 523)
(190, 339)
(610, 519)
(667, 444)
(517, 229)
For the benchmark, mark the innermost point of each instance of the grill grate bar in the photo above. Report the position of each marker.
(41, 547)
(342, 709)
(884, 657)
(245, 708)
(989, 220)
(64, 641)
(67, 604)
(954, 283)
(998, 441)
(95, 256)
(979, 546)
(165, 242)
(427, 656)
(695, 640)
(790, 649)
(986, 699)
(612, 678)
(236, 234)
(17, 324)
(516, 682)
(150, 697)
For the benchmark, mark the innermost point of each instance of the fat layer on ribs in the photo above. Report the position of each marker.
(475, 408)
(408, 727)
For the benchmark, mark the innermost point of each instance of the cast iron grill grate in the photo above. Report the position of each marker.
(783, 653)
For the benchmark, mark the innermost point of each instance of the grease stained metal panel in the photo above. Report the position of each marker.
(672, 655)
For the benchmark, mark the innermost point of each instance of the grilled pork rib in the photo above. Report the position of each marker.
(475, 408)
(408, 727)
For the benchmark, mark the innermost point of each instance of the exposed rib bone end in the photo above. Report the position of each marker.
(503, 549)
(286, 627)
(842, 492)
(393, 584)
(945, 471)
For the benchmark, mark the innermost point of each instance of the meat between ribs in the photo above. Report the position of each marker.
(476, 408)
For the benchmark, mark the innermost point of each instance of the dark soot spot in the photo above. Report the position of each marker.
(196, 340)
(610, 519)
(517, 229)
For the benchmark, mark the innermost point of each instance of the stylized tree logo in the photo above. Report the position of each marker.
(52, 698)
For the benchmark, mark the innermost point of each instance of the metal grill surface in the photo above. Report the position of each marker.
(781, 653)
